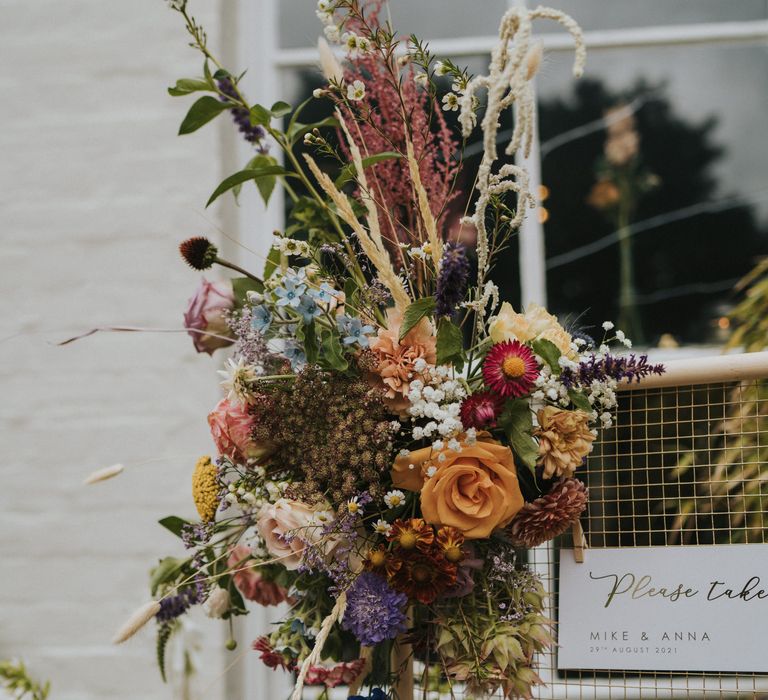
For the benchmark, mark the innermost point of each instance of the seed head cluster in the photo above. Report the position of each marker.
(333, 434)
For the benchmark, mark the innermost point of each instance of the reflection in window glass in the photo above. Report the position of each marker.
(429, 19)
(592, 14)
(683, 207)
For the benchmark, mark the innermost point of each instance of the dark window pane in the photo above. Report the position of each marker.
(698, 209)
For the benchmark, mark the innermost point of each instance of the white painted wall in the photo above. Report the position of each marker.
(95, 193)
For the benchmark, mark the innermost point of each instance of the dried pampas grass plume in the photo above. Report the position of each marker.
(329, 64)
(136, 621)
(103, 474)
(514, 62)
(378, 254)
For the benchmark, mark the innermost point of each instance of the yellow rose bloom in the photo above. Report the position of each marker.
(534, 324)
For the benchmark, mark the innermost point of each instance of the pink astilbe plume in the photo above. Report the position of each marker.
(383, 128)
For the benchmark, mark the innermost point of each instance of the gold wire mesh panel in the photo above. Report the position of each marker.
(683, 465)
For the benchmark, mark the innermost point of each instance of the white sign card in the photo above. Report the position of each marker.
(690, 608)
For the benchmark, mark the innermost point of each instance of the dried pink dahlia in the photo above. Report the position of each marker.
(550, 515)
(510, 369)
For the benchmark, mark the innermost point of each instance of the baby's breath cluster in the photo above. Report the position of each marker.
(435, 406)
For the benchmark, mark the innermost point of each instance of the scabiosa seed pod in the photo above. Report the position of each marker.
(452, 279)
(549, 516)
(198, 252)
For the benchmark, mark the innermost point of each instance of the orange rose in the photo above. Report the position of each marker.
(474, 490)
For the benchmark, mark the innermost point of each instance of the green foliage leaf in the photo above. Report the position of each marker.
(308, 336)
(164, 633)
(174, 524)
(332, 356)
(516, 421)
(260, 116)
(272, 263)
(166, 571)
(200, 113)
(268, 171)
(186, 86)
(579, 400)
(241, 286)
(280, 109)
(549, 352)
(222, 74)
(450, 344)
(348, 172)
(415, 312)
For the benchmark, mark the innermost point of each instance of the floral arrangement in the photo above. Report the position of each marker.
(391, 439)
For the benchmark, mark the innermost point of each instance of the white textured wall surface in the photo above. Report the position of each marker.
(95, 193)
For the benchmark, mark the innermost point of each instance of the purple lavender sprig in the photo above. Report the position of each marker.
(176, 605)
(629, 368)
(451, 280)
(252, 133)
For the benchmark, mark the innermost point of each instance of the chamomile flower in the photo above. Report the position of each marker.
(394, 498)
(353, 505)
(356, 91)
(382, 527)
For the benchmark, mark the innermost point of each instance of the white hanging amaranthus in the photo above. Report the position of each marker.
(514, 62)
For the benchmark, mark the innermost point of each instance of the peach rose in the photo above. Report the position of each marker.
(535, 323)
(286, 527)
(231, 426)
(474, 490)
(395, 370)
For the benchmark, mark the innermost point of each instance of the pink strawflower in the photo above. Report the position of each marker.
(510, 369)
(249, 581)
(481, 409)
(231, 428)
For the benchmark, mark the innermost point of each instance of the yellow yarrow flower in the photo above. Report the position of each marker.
(205, 489)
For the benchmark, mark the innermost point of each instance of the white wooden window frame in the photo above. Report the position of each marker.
(253, 24)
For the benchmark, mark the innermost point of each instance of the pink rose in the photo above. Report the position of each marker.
(250, 582)
(285, 527)
(231, 428)
(204, 313)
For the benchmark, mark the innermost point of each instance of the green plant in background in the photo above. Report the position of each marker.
(621, 182)
(733, 480)
(15, 679)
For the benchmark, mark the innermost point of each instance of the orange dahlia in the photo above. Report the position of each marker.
(510, 369)
(410, 534)
(450, 540)
(422, 576)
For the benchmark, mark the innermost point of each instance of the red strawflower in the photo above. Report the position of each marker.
(481, 410)
(510, 369)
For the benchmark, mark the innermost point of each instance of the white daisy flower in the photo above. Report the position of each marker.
(394, 498)
(382, 527)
